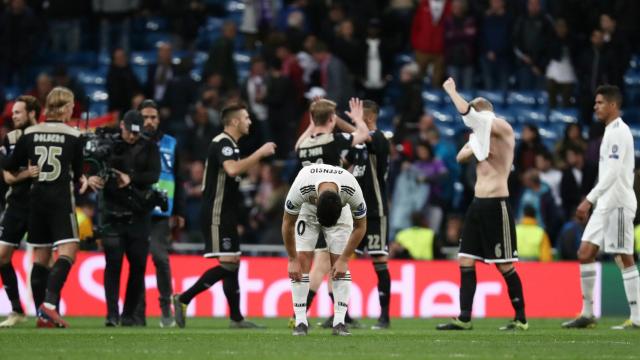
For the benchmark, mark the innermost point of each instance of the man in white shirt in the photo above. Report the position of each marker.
(326, 190)
(611, 224)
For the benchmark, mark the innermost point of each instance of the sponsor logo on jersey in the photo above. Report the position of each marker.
(361, 210)
(227, 151)
(290, 205)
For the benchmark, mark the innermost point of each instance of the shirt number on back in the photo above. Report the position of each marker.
(49, 155)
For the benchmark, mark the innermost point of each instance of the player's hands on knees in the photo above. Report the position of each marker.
(339, 269)
(294, 269)
(449, 86)
(267, 149)
(356, 111)
(582, 211)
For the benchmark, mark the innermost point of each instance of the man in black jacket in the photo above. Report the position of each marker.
(127, 216)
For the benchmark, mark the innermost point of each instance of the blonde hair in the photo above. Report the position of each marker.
(481, 104)
(59, 98)
(321, 111)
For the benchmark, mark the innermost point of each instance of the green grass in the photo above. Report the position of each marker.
(87, 338)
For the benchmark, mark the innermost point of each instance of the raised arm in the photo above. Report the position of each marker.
(361, 133)
(460, 103)
(238, 167)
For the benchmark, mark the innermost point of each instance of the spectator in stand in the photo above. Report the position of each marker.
(432, 171)
(220, 60)
(330, 24)
(410, 104)
(593, 69)
(193, 193)
(572, 138)
(427, 37)
(296, 30)
(408, 191)
(445, 150)
(159, 74)
(63, 18)
(335, 78)
(181, 91)
(270, 198)
(531, 35)
(530, 146)
(549, 175)
(416, 242)
(283, 111)
(18, 34)
(533, 241)
(578, 178)
(203, 127)
(460, 34)
(569, 239)
(61, 77)
(538, 195)
(560, 72)
(254, 93)
(448, 241)
(618, 50)
(379, 59)
(495, 42)
(349, 49)
(292, 70)
(122, 83)
(115, 17)
(306, 61)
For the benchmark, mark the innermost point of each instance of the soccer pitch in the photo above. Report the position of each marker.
(87, 338)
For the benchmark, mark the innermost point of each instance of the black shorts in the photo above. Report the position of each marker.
(221, 240)
(13, 226)
(489, 232)
(52, 225)
(375, 240)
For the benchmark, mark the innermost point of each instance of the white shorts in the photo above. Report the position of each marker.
(308, 229)
(611, 230)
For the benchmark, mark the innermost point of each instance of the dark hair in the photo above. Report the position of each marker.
(30, 104)
(229, 111)
(320, 48)
(611, 93)
(329, 208)
(371, 106)
(575, 149)
(546, 155)
(529, 211)
(147, 103)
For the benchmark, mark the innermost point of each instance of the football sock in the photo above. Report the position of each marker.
(57, 278)
(631, 280)
(39, 276)
(310, 297)
(231, 289)
(10, 282)
(587, 281)
(384, 288)
(205, 281)
(514, 285)
(347, 318)
(299, 293)
(467, 291)
(341, 293)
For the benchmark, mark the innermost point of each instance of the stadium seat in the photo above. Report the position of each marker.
(196, 73)
(153, 39)
(631, 115)
(90, 77)
(104, 59)
(99, 108)
(522, 98)
(550, 132)
(141, 72)
(632, 78)
(403, 58)
(144, 57)
(433, 97)
(200, 57)
(528, 115)
(495, 97)
(97, 93)
(385, 118)
(505, 113)
(11, 92)
(565, 115)
(81, 58)
(441, 115)
(447, 130)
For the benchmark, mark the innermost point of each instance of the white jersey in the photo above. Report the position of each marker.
(304, 190)
(615, 173)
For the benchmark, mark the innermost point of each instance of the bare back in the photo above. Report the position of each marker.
(493, 172)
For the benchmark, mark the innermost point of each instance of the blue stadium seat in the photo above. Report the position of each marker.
(634, 63)
(104, 59)
(140, 71)
(153, 39)
(631, 115)
(91, 77)
(467, 94)
(83, 58)
(505, 113)
(385, 117)
(566, 115)
(446, 130)
(495, 97)
(550, 132)
(97, 93)
(433, 97)
(11, 92)
(196, 73)
(403, 58)
(632, 78)
(99, 108)
(200, 57)
(522, 98)
(528, 115)
(441, 115)
(156, 23)
(144, 57)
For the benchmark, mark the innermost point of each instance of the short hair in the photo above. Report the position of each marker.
(30, 104)
(230, 111)
(371, 106)
(328, 208)
(481, 104)
(146, 104)
(546, 155)
(610, 93)
(57, 99)
(321, 111)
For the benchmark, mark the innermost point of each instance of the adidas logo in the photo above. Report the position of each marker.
(300, 305)
(340, 303)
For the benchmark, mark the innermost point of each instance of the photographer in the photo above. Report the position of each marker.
(133, 167)
(163, 221)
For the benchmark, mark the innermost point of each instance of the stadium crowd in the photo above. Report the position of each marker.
(538, 61)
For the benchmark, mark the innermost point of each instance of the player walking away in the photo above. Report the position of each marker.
(489, 231)
(221, 198)
(57, 150)
(13, 223)
(326, 190)
(611, 224)
(370, 165)
(320, 145)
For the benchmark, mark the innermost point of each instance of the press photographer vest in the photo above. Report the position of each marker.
(167, 181)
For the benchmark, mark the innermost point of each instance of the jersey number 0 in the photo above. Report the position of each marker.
(49, 155)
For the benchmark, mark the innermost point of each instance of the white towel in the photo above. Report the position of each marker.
(480, 122)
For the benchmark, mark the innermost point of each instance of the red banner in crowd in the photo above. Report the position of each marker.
(419, 288)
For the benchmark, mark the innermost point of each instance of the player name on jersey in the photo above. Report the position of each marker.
(49, 138)
(325, 171)
(316, 151)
